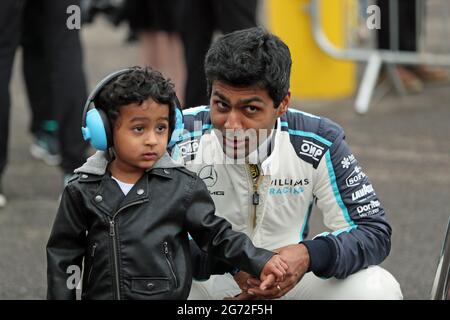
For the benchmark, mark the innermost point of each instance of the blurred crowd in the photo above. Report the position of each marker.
(173, 37)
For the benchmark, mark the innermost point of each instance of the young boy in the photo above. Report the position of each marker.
(127, 215)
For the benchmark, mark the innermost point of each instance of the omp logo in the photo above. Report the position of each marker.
(362, 193)
(355, 177)
(311, 150)
(188, 148)
(209, 175)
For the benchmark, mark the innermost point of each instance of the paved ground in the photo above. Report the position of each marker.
(403, 144)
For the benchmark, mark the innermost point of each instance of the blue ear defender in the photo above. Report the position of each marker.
(95, 124)
(179, 127)
(97, 130)
(96, 127)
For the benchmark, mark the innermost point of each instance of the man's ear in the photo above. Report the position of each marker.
(282, 108)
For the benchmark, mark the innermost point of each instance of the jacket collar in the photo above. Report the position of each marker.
(109, 198)
(95, 170)
(98, 163)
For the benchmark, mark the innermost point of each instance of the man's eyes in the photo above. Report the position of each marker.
(221, 105)
(251, 109)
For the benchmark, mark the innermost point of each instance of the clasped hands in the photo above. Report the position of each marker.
(279, 276)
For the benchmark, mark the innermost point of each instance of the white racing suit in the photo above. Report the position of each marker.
(309, 164)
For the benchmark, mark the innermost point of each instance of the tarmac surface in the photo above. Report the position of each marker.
(403, 145)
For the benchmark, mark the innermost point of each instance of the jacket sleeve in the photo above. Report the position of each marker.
(204, 265)
(65, 249)
(361, 234)
(215, 237)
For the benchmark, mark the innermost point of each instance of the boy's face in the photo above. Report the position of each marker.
(140, 135)
(235, 110)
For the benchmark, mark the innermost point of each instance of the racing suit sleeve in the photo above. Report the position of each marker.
(66, 249)
(351, 209)
(217, 241)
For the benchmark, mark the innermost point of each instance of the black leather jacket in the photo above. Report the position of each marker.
(137, 246)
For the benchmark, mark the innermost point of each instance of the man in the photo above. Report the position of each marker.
(267, 165)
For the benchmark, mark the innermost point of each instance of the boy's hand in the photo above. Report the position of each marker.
(274, 270)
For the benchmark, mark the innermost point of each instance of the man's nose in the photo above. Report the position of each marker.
(233, 121)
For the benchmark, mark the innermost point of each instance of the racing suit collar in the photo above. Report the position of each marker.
(264, 149)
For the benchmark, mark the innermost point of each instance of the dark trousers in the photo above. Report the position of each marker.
(62, 69)
(35, 66)
(199, 19)
(407, 25)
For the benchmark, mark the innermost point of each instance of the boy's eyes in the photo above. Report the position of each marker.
(158, 128)
(161, 127)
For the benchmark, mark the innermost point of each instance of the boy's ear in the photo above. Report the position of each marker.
(284, 104)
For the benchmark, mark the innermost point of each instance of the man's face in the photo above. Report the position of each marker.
(140, 135)
(244, 116)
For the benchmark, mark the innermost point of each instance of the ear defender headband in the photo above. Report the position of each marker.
(179, 125)
(96, 127)
(95, 124)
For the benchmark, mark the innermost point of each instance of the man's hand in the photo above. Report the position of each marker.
(242, 279)
(297, 258)
(274, 270)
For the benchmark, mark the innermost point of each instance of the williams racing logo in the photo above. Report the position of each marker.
(209, 176)
(287, 186)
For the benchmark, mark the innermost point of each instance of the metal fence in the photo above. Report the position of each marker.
(374, 57)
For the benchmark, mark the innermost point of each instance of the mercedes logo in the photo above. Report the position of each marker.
(209, 175)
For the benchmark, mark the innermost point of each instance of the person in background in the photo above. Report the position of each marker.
(155, 25)
(43, 126)
(63, 69)
(199, 20)
(414, 76)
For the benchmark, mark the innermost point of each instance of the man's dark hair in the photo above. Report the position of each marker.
(250, 57)
(136, 86)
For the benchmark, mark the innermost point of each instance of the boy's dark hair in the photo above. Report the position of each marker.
(136, 86)
(250, 57)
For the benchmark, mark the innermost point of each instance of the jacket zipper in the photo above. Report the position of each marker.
(255, 199)
(168, 259)
(112, 233)
(94, 246)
